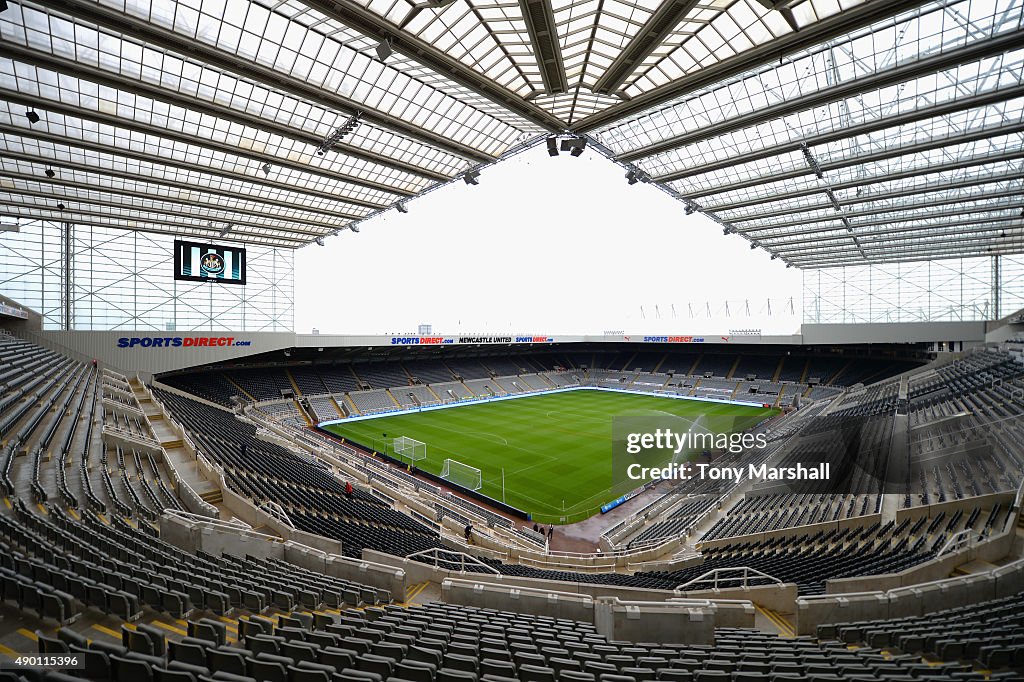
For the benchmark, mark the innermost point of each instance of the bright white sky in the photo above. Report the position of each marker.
(545, 245)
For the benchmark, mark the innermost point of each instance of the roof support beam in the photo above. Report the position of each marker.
(371, 24)
(136, 224)
(143, 89)
(223, 147)
(171, 163)
(878, 237)
(664, 20)
(810, 36)
(892, 211)
(115, 20)
(880, 79)
(867, 199)
(863, 182)
(885, 123)
(938, 252)
(540, 24)
(177, 211)
(179, 186)
(895, 152)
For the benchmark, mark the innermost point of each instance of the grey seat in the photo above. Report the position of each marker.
(266, 670)
(536, 673)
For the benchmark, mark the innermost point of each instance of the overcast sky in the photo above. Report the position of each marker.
(547, 245)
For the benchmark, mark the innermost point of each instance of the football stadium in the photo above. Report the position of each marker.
(718, 364)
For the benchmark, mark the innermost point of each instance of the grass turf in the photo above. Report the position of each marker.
(556, 449)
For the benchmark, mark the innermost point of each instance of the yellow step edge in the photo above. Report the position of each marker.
(105, 630)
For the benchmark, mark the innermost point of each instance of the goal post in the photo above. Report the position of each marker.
(462, 474)
(409, 448)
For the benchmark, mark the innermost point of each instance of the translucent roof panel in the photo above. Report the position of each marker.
(924, 110)
(806, 126)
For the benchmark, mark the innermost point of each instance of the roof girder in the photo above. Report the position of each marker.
(881, 196)
(862, 182)
(889, 210)
(871, 237)
(854, 258)
(916, 148)
(145, 158)
(69, 199)
(143, 89)
(36, 213)
(919, 114)
(659, 25)
(223, 147)
(369, 23)
(808, 37)
(164, 182)
(879, 79)
(125, 24)
(540, 24)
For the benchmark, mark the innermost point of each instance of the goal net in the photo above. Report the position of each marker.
(462, 474)
(409, 448)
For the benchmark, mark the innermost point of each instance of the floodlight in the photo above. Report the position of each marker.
(690, 209)
(265, 168)
(574, 145)
(354, 227)
(631, 176)
(384, 49)
(552, 146)
(471, 177)
(60, 206)
(49, 172)
(350, 124)
(32, 116)
(401, 207)
(319, 241)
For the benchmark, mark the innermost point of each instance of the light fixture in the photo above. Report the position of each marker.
(574, 145)
(350, 124)
(319, 241)
(49, 173)
(690, 209)
(471, 177)
(552, 146)
(32, 116)
(60, 206)
(265, 168)
(384, 49)
(227, 228)
(401, 207)
(354, 227)
(632, 177)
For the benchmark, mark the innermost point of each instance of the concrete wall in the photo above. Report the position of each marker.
(780, 597)
(676, 622)
(194, 535)
(541, 602)
(917, 600)
(417, 572)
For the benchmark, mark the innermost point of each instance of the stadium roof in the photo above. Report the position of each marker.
(827, 132)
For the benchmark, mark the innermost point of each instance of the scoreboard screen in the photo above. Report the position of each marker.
(199, 262)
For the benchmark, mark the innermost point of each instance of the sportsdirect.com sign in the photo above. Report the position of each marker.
(180, 342)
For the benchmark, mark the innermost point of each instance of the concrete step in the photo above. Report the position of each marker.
(976, 566)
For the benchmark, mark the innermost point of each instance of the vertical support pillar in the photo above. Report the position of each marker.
(997, 288)
(67, 275)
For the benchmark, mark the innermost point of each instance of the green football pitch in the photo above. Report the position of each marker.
(549, 454)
